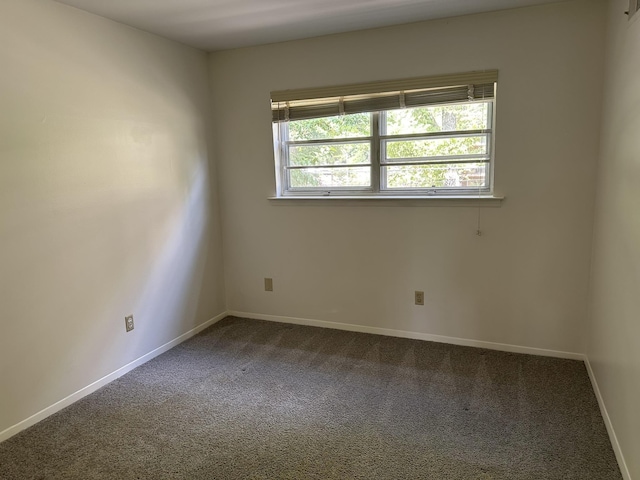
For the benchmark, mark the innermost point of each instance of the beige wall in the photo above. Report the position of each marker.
(524, 282)
(614, 333)
(106, 200)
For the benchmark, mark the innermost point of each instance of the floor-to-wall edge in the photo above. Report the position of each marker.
(83, 392)
(414, 335)
(607, 421)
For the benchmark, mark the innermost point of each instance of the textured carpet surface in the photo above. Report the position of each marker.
(249, 399)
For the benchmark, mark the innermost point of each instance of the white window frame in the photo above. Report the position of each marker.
(377, 140)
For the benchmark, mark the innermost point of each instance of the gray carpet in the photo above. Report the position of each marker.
(248, 399)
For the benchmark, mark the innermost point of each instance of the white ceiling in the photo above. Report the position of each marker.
(223, 24)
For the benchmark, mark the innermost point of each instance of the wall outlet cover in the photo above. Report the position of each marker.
(128, 322)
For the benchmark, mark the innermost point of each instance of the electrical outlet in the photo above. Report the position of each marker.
(128, 322)
(268, 284)
(419, 298)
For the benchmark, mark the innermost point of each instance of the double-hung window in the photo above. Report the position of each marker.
(414, 137)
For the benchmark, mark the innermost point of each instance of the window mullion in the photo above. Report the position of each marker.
(285, 179)
(489, 167)
(375, 152)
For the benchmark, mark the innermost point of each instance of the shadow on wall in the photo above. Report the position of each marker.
(169, 302)
(167, 282)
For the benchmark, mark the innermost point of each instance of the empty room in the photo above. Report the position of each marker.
(310, 239)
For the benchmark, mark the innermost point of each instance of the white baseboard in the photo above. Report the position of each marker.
(414, 335)
(83, 392)
(607, 421)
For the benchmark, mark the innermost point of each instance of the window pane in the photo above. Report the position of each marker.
(342, 126)
(460, 175)
(440, 118)
(331, 154)
(476, 145)
(330, 177)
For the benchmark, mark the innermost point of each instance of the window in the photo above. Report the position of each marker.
(417, 137)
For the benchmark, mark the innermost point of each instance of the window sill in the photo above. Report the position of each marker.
(424, 201)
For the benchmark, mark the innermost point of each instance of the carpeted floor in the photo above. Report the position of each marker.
(248, 399)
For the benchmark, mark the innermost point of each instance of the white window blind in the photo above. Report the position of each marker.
(301, 104)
